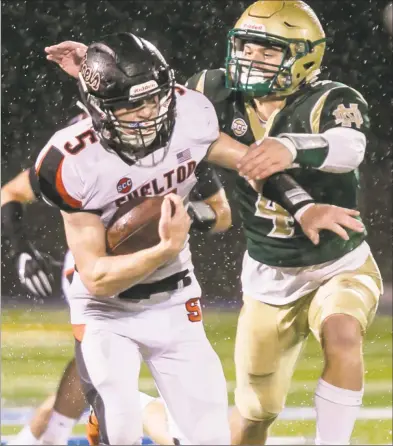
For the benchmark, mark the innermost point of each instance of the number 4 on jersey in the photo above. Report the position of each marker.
(283, 222)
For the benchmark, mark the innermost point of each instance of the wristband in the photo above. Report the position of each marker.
(284, 190)
(311, 149)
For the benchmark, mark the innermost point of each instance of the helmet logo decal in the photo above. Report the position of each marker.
(143, 88)
(239, 127)
(90, 76)
(254, 26)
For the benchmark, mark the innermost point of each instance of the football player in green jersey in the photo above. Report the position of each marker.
(270, 91)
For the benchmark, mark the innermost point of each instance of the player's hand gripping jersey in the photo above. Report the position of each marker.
(273, 238)
(75, 173)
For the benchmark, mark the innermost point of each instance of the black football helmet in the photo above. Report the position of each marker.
(124, 71)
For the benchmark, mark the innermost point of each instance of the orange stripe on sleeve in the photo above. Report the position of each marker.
(69, 271)
(62, 190)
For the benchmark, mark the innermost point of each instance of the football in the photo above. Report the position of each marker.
(134, 226)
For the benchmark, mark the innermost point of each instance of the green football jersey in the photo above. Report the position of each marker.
(273, 236)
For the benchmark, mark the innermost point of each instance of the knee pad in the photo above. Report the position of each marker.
(259, 403)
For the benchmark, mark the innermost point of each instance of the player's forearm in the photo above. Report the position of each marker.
(110, 275)
(226, 152)
(224, 221)
(219, 203)
(18, 189)
(337, 150)
(10, 194)
(284, 190)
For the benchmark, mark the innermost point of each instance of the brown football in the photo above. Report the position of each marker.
(134, 226)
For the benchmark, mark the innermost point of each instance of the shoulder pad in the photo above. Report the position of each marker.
(345, 92)
(49, 180)
(331, 104)
(196, 118)
(335, 89)
(211, 83)
(73, 139)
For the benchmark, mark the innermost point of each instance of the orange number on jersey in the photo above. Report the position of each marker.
(81, 144)
(194, 310)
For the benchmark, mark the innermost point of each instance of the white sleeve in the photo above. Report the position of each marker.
(346, 150)
(203, 118)
(212, 132)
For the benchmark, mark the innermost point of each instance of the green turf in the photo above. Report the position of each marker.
(366, 432)
(37, 344)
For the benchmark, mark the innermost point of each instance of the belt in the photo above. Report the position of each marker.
(145, 290)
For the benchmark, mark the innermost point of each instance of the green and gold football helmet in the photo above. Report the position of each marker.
(291, 26)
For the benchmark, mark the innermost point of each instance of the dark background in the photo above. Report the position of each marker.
(37, 99)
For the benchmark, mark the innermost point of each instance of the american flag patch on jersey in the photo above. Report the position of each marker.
(184, 155)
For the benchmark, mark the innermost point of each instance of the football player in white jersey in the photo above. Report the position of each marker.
(53, 421)
(147, 139)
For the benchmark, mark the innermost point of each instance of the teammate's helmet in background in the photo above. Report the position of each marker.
(289, 25)
(123, 71)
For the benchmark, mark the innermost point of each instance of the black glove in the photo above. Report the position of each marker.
(202, 215)
(33, 270)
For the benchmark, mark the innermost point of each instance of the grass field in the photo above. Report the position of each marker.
(37, 344)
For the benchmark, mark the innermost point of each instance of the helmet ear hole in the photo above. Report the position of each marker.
(308, 65)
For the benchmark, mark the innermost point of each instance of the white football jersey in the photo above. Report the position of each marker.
(76, 173)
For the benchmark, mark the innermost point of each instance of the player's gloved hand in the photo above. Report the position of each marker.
(68, 55)
(202, 216)
(315, 217)
(34, 271)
